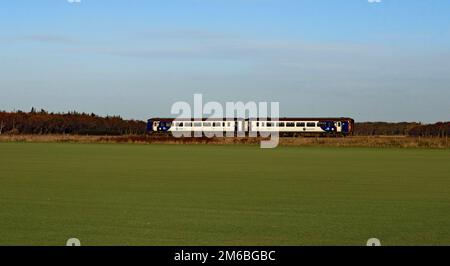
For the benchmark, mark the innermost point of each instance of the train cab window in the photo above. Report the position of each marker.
(311, 124)
(290, 124)
(301, 124)
(339, 124)
(166, 124)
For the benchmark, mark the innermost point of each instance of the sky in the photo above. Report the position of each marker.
(385, 60)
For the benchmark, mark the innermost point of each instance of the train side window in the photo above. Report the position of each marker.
(180, 124)
(269, 124)
(197, 124)
(280, 125)
(257, 124)
(217, 124)
(229, 124)
(301, 124)
(311, 124)
(188, 124)
(206, 124)
(322, 124)
(290, 124)
(262, 124)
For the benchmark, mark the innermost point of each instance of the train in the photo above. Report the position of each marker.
(286, 127)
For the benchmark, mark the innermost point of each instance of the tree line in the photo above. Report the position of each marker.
(384, 128)
(43, 122)
(435, 130)
(440, 129)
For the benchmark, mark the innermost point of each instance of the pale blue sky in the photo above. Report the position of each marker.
(387, 61)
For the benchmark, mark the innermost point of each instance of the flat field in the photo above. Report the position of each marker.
(120, 194)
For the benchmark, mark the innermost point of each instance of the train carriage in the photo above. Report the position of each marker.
(240, 127)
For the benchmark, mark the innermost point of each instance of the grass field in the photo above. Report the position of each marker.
(112, 194)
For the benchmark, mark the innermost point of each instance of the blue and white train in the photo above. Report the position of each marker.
(238, 127)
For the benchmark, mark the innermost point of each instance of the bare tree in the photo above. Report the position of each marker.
(2, 126)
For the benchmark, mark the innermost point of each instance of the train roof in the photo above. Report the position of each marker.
(260, 119)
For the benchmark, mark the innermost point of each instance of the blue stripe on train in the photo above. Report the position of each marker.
(345, 127)
(328, 127)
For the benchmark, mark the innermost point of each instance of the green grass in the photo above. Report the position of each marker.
(222, 195)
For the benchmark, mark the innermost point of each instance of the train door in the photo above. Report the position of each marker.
(246, 128)
(339, 126)
(239, 127)
(150, 126)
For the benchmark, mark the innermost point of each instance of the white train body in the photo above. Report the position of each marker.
(284, 126)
